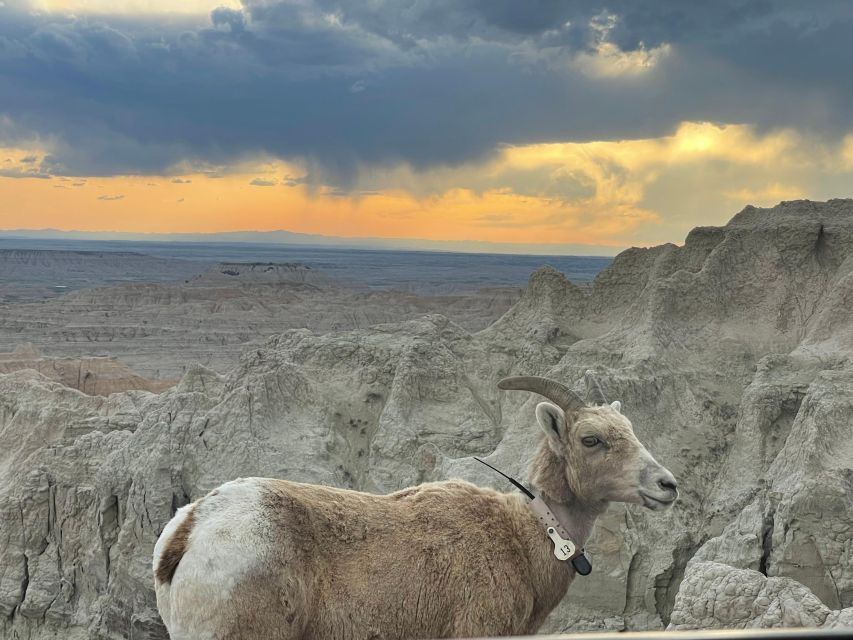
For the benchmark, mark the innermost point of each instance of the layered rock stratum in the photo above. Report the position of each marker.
(31, 275)
(93, 376)
(731, 354)
(160, 329)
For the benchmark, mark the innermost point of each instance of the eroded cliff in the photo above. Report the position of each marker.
(731, 355)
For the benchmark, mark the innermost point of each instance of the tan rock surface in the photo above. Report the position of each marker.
(93, 376)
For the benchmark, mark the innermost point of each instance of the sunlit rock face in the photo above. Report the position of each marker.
(731, 355)
(93, 376)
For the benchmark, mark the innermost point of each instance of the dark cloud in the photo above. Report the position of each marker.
(229, 19)
(336, 85)
(290, 181)
(24, 172)
(262, 182)
(180, 181)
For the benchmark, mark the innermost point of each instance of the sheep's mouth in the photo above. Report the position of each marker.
(656, 504)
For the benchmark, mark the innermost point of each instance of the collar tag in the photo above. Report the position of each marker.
(563, 549)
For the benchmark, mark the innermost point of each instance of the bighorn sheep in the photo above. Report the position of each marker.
(264, 559)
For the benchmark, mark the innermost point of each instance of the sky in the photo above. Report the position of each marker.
(593, 126)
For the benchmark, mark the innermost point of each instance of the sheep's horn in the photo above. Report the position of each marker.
(593, 389)
(556, 392)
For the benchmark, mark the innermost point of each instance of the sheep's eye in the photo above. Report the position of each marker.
(590, 441)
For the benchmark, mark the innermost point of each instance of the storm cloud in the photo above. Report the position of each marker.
(337, 86)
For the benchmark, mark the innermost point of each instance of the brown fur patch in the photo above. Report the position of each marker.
(175, 549)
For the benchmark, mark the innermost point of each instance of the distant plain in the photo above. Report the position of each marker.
(419, 271)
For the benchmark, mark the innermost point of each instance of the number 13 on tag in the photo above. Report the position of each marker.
(563, 549)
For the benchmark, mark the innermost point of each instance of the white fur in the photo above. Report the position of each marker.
(162, 590)
(219, 554)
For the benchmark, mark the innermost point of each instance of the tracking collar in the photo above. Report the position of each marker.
(564, 547)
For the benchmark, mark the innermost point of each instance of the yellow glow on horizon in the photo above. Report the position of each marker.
(203, 204)
(691, 141)
(766, 196)
(847, 151)
(618, 193)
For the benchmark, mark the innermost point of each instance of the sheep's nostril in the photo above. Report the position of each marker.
(668, 485)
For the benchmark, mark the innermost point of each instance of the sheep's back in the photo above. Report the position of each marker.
(417, 560)
(321, 562)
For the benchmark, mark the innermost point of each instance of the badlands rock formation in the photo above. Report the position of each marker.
(160, 329)
(34, 275)
(731, 354)
(93, 376)
(716, 596)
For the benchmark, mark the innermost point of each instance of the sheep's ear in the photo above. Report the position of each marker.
(553, 422)
(617, 406)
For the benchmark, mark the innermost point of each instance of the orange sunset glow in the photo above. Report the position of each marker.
(478, 202)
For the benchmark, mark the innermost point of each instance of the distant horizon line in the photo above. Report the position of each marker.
(283, 237)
